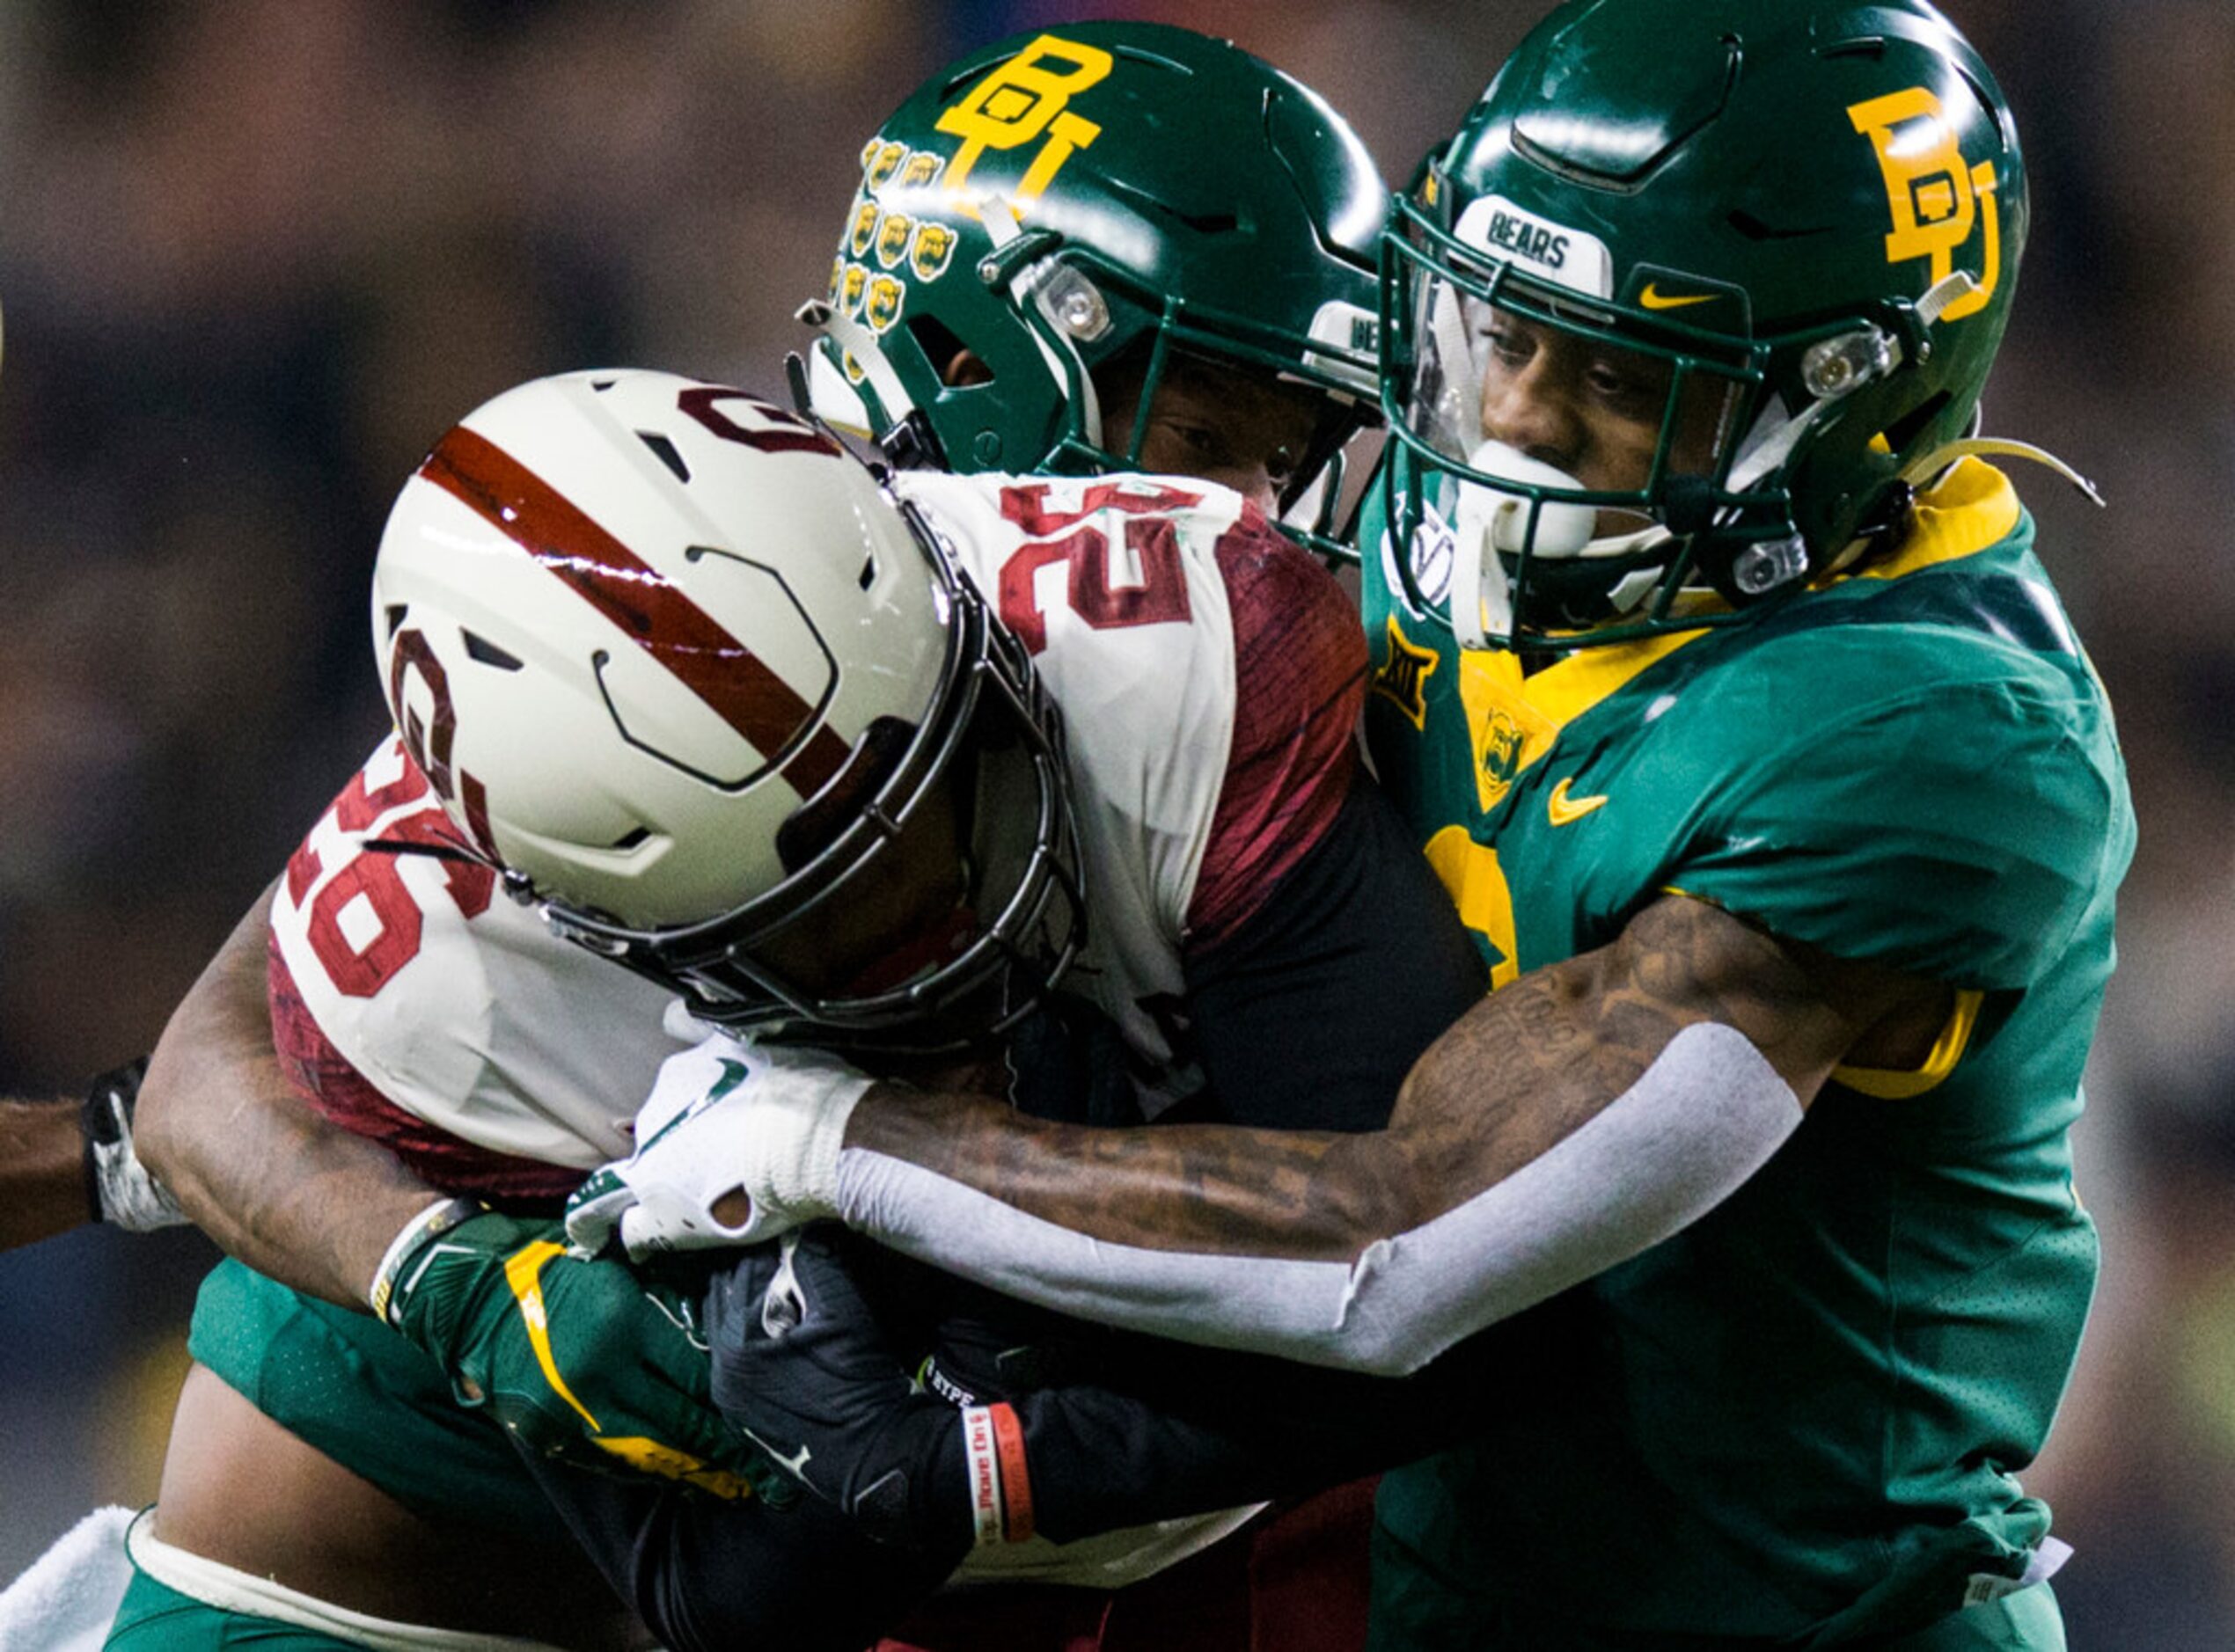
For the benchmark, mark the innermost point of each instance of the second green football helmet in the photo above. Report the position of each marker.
(1100, 194)
(1789, 232)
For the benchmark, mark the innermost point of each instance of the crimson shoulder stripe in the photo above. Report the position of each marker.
(642, 603)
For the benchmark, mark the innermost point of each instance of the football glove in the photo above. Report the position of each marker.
(803, 1368)
(119, 1188)
(724, 1118)
(581, 1360)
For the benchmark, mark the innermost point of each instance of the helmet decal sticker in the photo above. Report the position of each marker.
(1018, 103)
(864, 230)
(892, 238)
(642, 603)
(1574, 259)
(883, 164)
(1937, 198)
(931, 251)
(886, 295)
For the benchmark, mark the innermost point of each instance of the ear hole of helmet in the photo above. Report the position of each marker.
(959, 366)
(1912, 424)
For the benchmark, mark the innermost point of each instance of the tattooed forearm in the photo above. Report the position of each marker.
(292, 1194)
(1191, 1186)
(1514, 1077)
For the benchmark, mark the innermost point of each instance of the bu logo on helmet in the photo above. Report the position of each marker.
(1020, 100)
(1937, 199)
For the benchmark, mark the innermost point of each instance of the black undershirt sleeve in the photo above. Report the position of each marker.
(1308, 1016)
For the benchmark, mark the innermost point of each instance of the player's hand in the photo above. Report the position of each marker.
(802, 1366)
(119, 1188)
(736, 1143)
(582, 1360)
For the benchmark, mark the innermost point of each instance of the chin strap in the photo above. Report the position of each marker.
(1925, 468)
(863, 346)
(1005, 228)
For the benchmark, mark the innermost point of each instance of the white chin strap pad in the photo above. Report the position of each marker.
(1489, 522)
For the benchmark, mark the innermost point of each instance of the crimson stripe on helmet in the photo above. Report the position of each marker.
(640, 600)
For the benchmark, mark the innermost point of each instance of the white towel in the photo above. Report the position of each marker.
(67, 1599)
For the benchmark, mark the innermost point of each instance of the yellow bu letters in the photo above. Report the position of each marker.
(1018, 103)
(1937, 197)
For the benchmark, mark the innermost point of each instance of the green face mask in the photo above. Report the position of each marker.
(1691, 303)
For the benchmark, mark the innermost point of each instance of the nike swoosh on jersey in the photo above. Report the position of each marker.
(1653, 298)
(1565, 810)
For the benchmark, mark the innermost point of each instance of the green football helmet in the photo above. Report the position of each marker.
(1784, 236)
(1100, 194)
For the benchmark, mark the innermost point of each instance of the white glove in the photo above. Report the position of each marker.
(725, 1116)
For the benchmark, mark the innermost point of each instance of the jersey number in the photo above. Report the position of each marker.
(1153, 544)
(374, 874)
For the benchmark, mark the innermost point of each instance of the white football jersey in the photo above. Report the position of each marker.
(426, 1009)
(452, 1004)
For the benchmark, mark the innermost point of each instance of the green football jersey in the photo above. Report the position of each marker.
(1801, 1416)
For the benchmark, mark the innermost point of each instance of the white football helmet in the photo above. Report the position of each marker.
(680, 666)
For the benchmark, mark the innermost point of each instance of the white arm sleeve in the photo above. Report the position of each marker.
(1704, 1116)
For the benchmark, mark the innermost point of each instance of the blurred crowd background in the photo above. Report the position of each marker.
(255, 255)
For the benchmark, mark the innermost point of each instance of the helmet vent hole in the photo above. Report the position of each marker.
(395, 615)
(1906, 430)
(481, 648)
(663, 450)
(1754, 230)
(629, 839)
(868, 572)
(601, 383)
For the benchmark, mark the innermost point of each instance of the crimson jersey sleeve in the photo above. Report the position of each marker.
(1299, 676)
